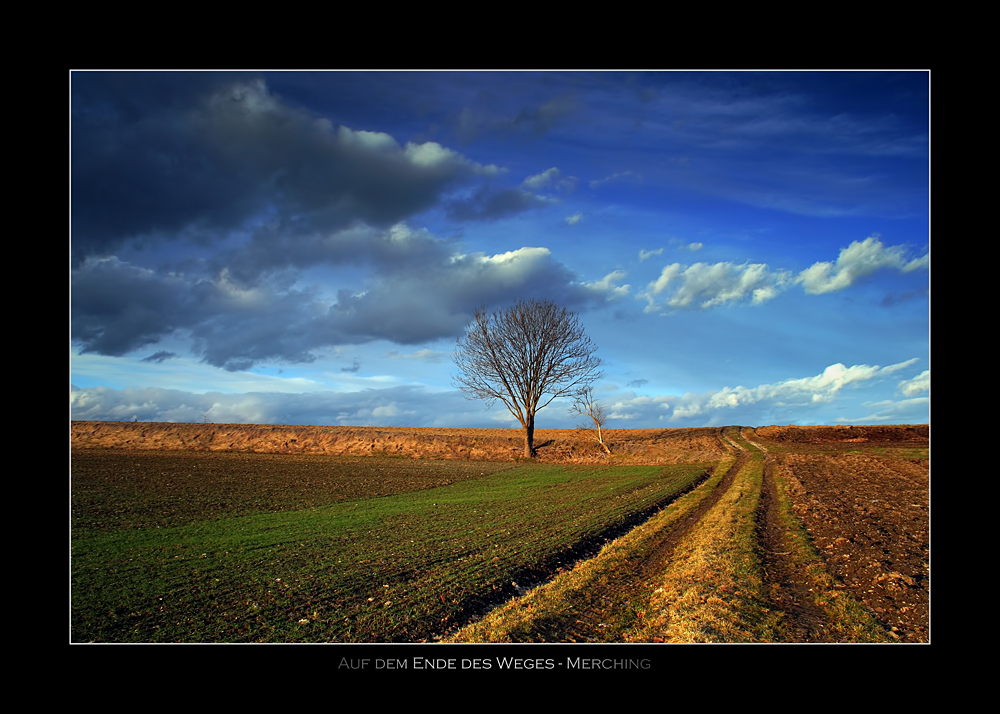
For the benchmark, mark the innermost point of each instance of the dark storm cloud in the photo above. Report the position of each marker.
(119, 307)
(239, 329)
(159, 357)
(548, 115)
(271, 249)
(153, 159)
(414, 307)
(482, 117)
(267, 191)
(490, 205)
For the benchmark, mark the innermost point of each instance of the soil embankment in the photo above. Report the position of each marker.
(649, 446)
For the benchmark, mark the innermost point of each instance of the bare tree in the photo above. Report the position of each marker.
(525, 356)
(585, 405)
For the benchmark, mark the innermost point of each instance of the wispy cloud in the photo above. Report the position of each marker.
(424, 354)
(369, 407)
(411, 405)
(913, 387)
(491, 204)
(550, 179)
(613, 178)
(902, 411)
(804, 392)
(473, 121)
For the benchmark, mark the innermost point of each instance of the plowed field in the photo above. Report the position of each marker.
(867, 512)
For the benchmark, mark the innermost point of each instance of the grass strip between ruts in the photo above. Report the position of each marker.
(713, 590)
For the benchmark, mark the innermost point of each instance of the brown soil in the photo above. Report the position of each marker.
(786, 581)
(866, 508)
(896, 435)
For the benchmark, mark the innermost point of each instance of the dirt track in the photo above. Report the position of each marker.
(626, 588)
(864, 507)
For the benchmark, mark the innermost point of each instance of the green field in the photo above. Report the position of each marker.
(279, 548)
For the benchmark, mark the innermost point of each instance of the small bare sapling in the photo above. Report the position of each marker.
(586, 406)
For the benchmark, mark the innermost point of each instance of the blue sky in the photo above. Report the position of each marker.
(306, 247)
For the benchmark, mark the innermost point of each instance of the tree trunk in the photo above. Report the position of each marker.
(529, 437)
(600, 438)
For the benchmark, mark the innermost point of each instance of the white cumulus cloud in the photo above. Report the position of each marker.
(858, 260)
(823, 387)
(608, 285)
(707, 285)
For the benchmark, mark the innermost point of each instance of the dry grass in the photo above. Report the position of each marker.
(628, 446)
(549, 611)
(714, 590)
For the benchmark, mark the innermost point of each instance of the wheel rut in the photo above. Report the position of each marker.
(601, 612)
(786, 582)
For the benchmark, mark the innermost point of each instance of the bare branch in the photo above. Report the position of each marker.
(525, 356)
(586, 406)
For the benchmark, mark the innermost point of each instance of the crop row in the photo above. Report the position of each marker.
(401, 566)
